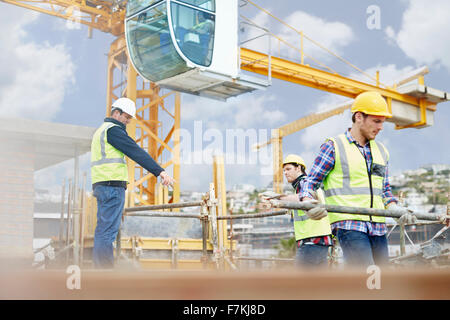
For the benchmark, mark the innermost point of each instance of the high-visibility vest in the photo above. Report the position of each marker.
(107, 163)
(351, 183)
(307, 228)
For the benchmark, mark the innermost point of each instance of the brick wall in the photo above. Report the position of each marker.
(16, 200)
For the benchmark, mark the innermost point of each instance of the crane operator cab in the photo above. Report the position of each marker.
(189, 46)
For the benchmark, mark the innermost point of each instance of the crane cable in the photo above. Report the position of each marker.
(315, 42)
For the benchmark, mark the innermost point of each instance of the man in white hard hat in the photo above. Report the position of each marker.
(313, 237)
(109, 173)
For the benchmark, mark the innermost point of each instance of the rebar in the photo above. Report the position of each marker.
(163, 214)
(164, 206)
(42, 248)
(264, 259)
(254, 215)
(356, 210)
(213, 218)
(204, 222)
(61, 221)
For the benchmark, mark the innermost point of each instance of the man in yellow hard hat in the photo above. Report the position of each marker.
(353, 169)
(313, 237)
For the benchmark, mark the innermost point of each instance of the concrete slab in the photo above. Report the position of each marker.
(52, 142)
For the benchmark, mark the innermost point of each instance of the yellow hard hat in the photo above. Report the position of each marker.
(293, 158)
(372, 103)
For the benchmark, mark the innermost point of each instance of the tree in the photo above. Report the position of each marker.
(287, 248)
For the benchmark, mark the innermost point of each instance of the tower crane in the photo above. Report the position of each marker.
(192, 46)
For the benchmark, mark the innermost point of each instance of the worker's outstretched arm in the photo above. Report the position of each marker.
(120, 140)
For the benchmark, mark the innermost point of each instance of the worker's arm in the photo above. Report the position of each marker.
(388, 196)
(120, 140)
(323, 164)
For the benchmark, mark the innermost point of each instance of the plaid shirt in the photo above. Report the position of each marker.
(323, 165)
(322, 240)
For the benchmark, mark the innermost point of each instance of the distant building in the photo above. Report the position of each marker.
(248, 188)
(435, 168)
(416, 172)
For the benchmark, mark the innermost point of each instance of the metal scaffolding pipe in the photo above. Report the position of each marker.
(163, 214)
(254, 215)
(356, 210)
(165, 206)
(264, 259)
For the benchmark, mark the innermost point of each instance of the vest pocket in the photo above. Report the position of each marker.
(378, 170)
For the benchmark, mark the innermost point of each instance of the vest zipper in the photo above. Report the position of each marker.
(371, 191)
(369, 174)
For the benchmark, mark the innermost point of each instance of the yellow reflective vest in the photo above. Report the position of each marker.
(307, 228)
(107, 163)
(350, 183)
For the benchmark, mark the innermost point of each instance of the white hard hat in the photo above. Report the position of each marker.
(126, 105)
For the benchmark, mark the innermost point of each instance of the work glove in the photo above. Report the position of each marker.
(444, 219)
(316, 213)
(407, 218)
(269, 195)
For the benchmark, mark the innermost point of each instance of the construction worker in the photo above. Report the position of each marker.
(313, 237)
(354, 171)
(109, 172)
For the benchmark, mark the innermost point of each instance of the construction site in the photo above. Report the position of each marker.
(201, 239)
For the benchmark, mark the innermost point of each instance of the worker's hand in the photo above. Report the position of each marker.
(316, 213)
(269, 195)
(445, 220)
(407, 218)
(289, 197)
(166, 180)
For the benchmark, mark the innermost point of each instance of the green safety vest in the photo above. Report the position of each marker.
(307, 228)
(351, 184)
(107, 163)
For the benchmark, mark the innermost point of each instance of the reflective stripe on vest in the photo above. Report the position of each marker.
(348, 182)
(107, 163)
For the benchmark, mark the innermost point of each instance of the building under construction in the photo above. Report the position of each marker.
(199, 249)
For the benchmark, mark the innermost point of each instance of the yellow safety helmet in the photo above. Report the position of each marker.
(293, 158)
(372, 103)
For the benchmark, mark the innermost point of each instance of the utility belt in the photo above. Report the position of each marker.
(113, 183)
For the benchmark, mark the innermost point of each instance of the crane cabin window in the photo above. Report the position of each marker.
(134, 6)
(150, 45)
(194, 30)
(203, 4)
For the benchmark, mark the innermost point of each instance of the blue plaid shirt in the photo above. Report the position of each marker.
(322, 166)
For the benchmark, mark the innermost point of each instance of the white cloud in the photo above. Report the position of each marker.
(312, 137)
(245, 111)
(333, 35)
(423, 35)
(34, 76)
(389, 74)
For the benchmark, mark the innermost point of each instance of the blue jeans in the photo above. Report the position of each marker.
(110, 203)
(362, 249)
(312, 255)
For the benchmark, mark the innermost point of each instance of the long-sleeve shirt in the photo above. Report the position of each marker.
(323, 165)
(118, 137)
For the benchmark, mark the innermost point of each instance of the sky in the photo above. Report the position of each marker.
(50, 70)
